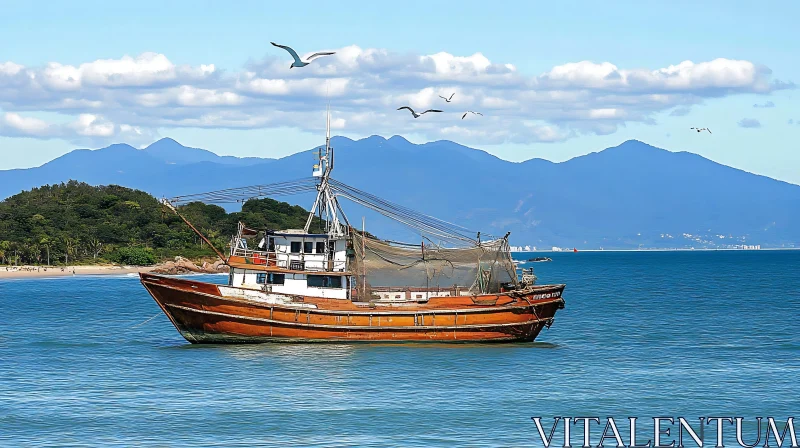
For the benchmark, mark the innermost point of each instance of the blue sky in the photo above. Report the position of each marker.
(534, 37)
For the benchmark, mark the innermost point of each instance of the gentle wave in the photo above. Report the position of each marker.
(642, 334)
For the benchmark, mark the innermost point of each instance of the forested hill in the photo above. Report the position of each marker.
(79, 223)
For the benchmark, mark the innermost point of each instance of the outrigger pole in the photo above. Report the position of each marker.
(167, 204)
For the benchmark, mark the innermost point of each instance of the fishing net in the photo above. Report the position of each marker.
(460, 262)
(482, 268)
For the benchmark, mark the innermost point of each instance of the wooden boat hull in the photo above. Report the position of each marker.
(203, 314)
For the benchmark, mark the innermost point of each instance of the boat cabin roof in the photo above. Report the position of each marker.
(297, 233)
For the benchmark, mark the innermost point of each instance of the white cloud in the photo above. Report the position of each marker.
(85, 129)
(365, 87)
(604, 113)
(89, 125)
(10, 68)
(680, 111)
(146, 69)
(28, 126)
(704, 78)
(189, 96)
(749, 123)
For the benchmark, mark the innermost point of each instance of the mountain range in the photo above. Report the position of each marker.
(628, 196)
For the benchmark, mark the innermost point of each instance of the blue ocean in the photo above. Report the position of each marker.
(642, 334)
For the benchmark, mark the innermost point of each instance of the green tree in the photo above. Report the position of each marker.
(94, 245)
(80, 222)
(4, 247)
(69, 244)
(44, 241)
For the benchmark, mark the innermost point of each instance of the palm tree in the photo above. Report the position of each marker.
(95, 246)
(211, 234)
(69, 247)
(45, 241)
(35, 252)
(4, 247)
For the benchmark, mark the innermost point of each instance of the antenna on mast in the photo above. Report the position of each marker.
(326, 202)
(327, 117)
(328, 128)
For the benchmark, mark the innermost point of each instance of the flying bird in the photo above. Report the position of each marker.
(299, 62)
(416, 115)
(701, 129)
(447, 99)
(470, 112)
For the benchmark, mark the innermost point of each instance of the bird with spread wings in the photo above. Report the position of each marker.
(470, 112)
(299, 62)
(416, 115)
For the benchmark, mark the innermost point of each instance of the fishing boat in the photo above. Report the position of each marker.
(340, 283)
(539, 259)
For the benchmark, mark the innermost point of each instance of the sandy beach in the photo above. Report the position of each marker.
(8, 272)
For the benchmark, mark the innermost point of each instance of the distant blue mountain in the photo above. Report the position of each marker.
(627, 196)
(173, 153)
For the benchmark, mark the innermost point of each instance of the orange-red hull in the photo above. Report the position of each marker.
(202, 314)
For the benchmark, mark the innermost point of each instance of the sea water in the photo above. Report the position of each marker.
(642, 334)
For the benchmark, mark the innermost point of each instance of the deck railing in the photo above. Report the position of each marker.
(292, 261)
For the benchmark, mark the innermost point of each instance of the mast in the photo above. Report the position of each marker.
(325, 202)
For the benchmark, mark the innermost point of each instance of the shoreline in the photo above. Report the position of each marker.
(42, 272)
(7, 272)
(180, 266)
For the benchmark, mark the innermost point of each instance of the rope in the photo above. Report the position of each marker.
(148, 320)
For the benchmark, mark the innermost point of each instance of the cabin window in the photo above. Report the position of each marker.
(321, 247)
(325, 281)
(276, 279)
(271, 246)
(308, 247)
(270, 279)
(296, 247)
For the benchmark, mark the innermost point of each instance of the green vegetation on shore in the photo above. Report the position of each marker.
(76, 223)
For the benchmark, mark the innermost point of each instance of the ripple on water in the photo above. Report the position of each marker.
(642, 334)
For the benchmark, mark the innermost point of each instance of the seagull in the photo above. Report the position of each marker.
(297, 61)
(447, 99)
(470, 112)
(701, 129)
(416, 115)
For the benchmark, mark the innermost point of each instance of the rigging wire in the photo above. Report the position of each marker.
(423, 223)
(242, 194)
(420, 221)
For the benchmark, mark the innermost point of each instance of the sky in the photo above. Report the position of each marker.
(553, 80)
